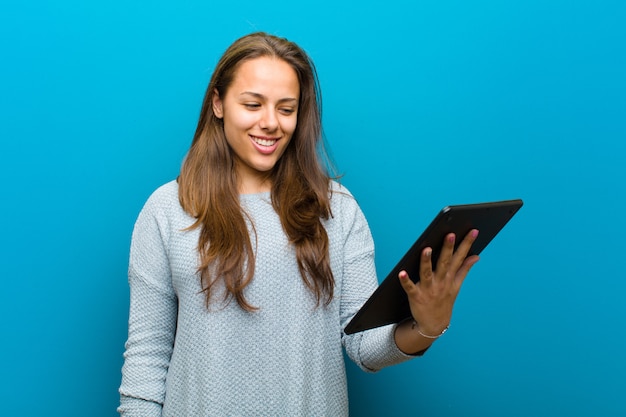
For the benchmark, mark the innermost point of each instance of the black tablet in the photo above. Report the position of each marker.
(389, 303)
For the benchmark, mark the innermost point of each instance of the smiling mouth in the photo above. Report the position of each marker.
(264, 142)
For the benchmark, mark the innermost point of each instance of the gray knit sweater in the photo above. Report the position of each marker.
(285, 359)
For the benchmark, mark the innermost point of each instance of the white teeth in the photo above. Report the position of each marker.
(264, 142)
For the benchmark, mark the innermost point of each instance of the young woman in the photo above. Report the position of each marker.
(245, 270)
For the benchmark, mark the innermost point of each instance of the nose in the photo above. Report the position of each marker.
(269, 121)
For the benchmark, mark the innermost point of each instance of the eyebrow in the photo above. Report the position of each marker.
(262, 97)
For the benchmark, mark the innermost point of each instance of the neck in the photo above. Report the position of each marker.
(255, 185)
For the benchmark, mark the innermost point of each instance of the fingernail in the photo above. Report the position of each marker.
(428, 252)
(474, 233)
(451, 238)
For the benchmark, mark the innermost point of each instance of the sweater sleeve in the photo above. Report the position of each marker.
(372, 349)
(152, 317)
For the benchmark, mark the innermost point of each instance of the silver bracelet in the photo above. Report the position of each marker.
(415, 326)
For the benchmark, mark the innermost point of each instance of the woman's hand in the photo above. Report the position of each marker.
(432, 298)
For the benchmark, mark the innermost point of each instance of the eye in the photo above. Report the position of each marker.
(286, 110)
(252, 106)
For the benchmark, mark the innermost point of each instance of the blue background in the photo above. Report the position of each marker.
(426, 103)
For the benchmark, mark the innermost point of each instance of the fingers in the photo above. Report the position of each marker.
(463, 249)
(451, 260)
(406, 283)
(426, 266)
(467, 242)
(462, 272)
(451, 263)
(447, 250)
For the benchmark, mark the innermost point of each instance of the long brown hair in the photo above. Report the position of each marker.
(300, 182)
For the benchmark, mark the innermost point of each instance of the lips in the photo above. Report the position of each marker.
(264, 141)
(264, 145)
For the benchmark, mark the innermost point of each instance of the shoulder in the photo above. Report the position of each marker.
(162, 214)
(340, 192)
(341, 198)
(164, 205)
(344, 205)
(164, 198)
(348, 227)
(166, 192)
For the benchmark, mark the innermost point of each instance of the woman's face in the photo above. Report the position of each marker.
(259, 111)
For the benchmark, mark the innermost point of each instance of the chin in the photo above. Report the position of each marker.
(264, 166)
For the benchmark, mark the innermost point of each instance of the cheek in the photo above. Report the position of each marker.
(289, 125)
(239, 121)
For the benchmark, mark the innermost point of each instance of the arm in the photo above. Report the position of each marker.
(432, 297)
(376, 348)
(152, 318)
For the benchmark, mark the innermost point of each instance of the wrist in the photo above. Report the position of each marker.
(429, 334)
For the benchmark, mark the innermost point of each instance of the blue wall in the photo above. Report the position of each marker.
(426, 104)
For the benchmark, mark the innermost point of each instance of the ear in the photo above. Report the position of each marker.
(218, 108)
